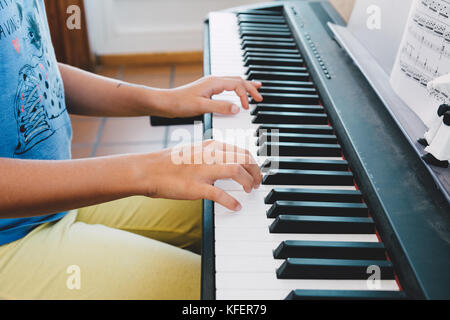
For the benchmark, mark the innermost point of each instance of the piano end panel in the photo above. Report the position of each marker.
(208, 280)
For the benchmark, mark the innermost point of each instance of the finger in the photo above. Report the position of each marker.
(235, 172)
(214, 156)
(249, 164)
(255, 171)
(235, 84)
(256, 84)
(253, 91)
(226, 147)
(221, 197)
(251, 87)
(221, 107)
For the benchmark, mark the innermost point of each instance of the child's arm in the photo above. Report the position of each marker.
(93, 95)
(33, 187)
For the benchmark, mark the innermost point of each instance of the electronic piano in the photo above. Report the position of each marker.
(347, 208)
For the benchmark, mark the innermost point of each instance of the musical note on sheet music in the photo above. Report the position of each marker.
(424, 55)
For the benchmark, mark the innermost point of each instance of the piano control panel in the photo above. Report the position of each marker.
(311, 43)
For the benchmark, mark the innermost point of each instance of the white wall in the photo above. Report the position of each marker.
(137, 26)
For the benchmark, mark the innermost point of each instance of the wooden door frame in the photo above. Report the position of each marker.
(71, 46)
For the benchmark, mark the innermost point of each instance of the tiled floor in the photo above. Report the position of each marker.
(108, 136)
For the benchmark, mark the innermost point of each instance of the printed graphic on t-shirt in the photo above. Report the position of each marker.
(39, 98)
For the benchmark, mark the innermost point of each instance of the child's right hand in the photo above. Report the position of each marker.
(163, 175)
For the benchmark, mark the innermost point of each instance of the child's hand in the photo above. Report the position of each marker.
(194, 99)
(163, 176)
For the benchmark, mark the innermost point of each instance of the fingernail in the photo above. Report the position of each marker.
(238, 207)
(235, 109)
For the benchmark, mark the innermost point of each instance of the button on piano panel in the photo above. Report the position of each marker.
(306, 231)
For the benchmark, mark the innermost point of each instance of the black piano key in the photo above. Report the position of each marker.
(261, 25)
(252, 60)
(305, 164)
(296, 137)
(282, 84)
(275, 34)
(346, 295)
(296, 98)
(290, 118)
(275, 90)
(322, 225)
(276, 54)
(248, 15)
(295, 128)
(330, 250)
(278, 107)
(265, 75)
(265, 20)
(286, 194)
(267, 44)
(262, 19)
(298, 268)
(276, 68)
(297, 149)
(266, 39)
(260, 12)
(308, 177)
(308, 208)
(254, 51)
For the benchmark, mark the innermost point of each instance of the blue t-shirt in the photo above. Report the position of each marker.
(34, 123)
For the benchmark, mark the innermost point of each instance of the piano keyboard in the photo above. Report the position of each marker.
(306, 232)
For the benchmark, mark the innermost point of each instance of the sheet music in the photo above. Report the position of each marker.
(424, 55)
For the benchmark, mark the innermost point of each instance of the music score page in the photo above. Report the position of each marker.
(424, 55)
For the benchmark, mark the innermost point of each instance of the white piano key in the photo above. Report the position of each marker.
(231, 185)
(227, 263)
(252, 204)
(262, 235)
(269, 281)
(241, 221)
(245, 249)
(234, 122)
(238, 294)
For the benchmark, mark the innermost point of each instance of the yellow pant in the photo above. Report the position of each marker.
(126, 249)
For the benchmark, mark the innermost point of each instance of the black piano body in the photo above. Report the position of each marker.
(411, 212)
